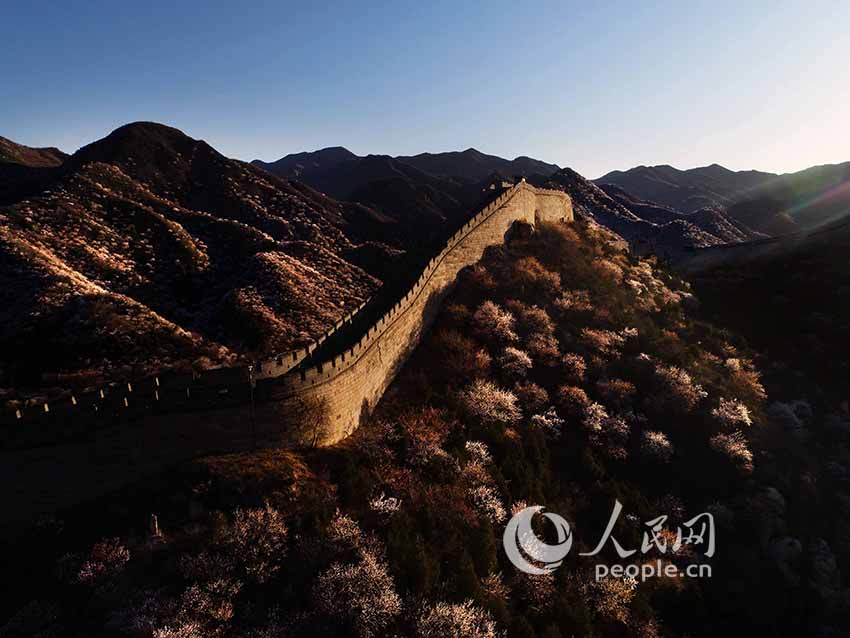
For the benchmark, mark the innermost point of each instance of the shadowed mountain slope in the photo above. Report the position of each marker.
(24, 169)
(761, 202)
(149, 249)
(797, 201)
(424, 195)
(713, 221)
(668, 238)
(687, 190)
(474, 166)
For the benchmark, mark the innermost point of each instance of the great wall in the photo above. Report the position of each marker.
(345, 380)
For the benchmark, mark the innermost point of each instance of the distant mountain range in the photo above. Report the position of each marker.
(762, 202)
(470, 165)
(419, 193)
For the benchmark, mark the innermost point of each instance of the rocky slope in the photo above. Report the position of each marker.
(149, 249)
(713, 221)
(668, 235)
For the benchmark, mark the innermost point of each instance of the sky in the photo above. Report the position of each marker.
(594, 86)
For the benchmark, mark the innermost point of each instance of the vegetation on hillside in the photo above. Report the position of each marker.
(562, 372)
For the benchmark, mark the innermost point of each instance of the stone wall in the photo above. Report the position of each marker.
(355, 380)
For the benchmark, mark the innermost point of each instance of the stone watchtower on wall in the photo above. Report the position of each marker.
(353, 381)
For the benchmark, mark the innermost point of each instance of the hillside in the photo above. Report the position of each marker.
(474, 166)
(804, 279)
(759, 202)
(149, 249)
(12, 153)
(424, 195)
(562, 372)
(687, 190)
(713, 221)
(24, 169)
(647, 227)
(797, 201)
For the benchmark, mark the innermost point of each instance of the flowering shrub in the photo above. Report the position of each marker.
(545, 348)
(344, 532)
(616, 392)
(490, 403)
(493, 323)
(257, 539)
(595, 417)
(549, 422)
(575, 300)
(680, 387)
(734, 447)
(362, 594)
(612, 597)
(604, 342)
(574, 366)
(385, 504)
(532, 319)
(656, 446)
(488, 502)
(531, 396)
(572, 400)
(107, 558)
(464, 620)
(515, 362)
(478, 452)
(732, 414)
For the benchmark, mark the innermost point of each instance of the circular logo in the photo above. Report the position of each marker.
(520, 536)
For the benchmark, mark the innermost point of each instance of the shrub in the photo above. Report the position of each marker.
(572, 400)
(732, 414)
(549, 422)
(107, 558)
(493, 323)
(362, 594)
(679, 388)
(257, 540)
(531, 396)
(545, 348)
(459, 356)
(616, 392)
(734, 447)
(574, 367)
(515, 362)
(490, 403)
(463, 620)
(656, 446)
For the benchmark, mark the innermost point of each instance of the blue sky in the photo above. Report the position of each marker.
(595, 86)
